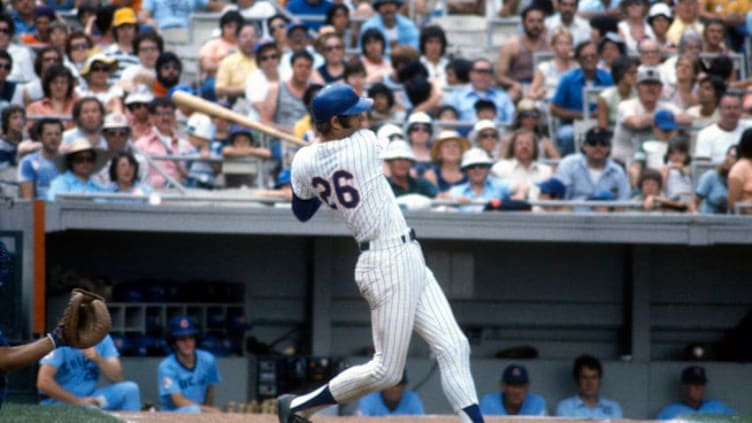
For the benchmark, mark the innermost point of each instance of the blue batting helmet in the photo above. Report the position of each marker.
(182, 326)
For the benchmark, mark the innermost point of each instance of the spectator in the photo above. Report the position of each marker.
(200, 131)
(650, 185)
(693, 381)
(188, 376)
(216, 49)
(21, 54)
(714, 141)
(235, 68)
(479, 186)
(515, 64)
(624, 74)
(304, 128)
(172, 19)
(712, 190)
(551, 189)
(682, 92)
(486, 136)
(635, 116)
(740, 175)
(58, 35)
(713, 35)
(76, 167)
(652, 153)
(310, 8)
(147, 46)
(709, 93)
(592, 171)
(419, 130)
(266, 54)
(298, 40)
(242, 144)
(37, 170)
(588, 404)
(59, 97)
(12, 123)
(46, 58)
(481, 87)
(567, 103)
(385, 106)
(520, 167)
(513, 397)
(610, 47)
(634, 27)
(446, 153)
(77, 47)
(396, 29)
(10, 92)
(23, 16)
(43, 16)
(660, 19)
(70, 375)
(400, 160)
(283, 105)
(124, 173)
(355, 75)
(548, 73)
(164, 128)
(137, 104)
(117, 133)
(97, 72)
(688, 19)
(373, 47)
(394, 401)
(389, 132)
(485, 110)
(567, 18)
(124, 31)
(458, 72)
(338, 17)
(333, 69)
(690, 44)
(169, 69)
(433, 44)
(528, 118)
(88, 115)
(257, 10)
(277, 26)
(676, 173)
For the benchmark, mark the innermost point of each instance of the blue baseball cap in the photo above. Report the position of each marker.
(515, 375)
(182, 326)
(694, 375)
(236, 129)
(603, 195)
(553, 187)
(664, 120)
(338, 100)
(295, 25)
(283, 177)
(264, 42)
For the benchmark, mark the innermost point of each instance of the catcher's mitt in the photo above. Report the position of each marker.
(84, 323)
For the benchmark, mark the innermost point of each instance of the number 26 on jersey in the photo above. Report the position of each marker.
(345, 195)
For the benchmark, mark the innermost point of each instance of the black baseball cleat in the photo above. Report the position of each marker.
(283, 410)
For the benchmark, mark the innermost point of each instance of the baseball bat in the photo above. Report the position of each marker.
(198, 104)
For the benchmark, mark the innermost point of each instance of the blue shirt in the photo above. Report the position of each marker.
(569, 92)
(407, 32)
(22, 27)
(463, 99)
(713, 192)
(493, 405)
(373, 405)
(39, 170)
(173, 13)
(492, 188)
(191, 383)
(574, 174)
(575, 407)
(707, 407)
(76, 373)
(305, 7)
(67, 182)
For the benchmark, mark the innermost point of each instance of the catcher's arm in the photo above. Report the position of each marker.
(12, 358)
(47, 384)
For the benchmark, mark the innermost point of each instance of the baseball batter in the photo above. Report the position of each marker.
(344, 171)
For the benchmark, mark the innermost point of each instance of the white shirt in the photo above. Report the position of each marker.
(256, 87)
(510, 170)
(714, 142)
(580, 28)
(23, 66)
(626, 141)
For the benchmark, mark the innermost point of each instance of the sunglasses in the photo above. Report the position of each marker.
(488, 135)
(483, 71)
(476, 166)
(79, 46)
(598, 142)
(135, 106)
(266, 57)
(117, 132)
(100, 68)
(83, 159)
(420, 127)
(333, 48)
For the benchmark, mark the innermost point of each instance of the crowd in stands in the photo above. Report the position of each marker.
(641, 105)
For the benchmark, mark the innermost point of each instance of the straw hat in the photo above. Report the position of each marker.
(77, 146)
(444, 136)
(100, 57)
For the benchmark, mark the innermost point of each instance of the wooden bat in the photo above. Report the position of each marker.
(198, 104)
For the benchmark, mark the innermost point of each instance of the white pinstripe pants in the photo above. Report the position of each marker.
(403, 295)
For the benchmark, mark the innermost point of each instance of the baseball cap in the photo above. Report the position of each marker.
(182, 326)
(45, 11)
(115, 120)
(475, 156)
(389, 130)
(141, 94)
(236, 129)
(660, 9)
(484, 124)
(648, 74)
(283, 177)
(597, 134)
(694, 375)
(377, 3)
(602, 195)
(200, 125)
(553, 187)
(338, 100)
(101, 57)
(264, 42)
(419, 117)
(515, 375)
(124, 16)
(398, 149)
(664, 120)
(295, 25)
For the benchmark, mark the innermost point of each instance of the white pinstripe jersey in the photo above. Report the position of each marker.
(347, 175)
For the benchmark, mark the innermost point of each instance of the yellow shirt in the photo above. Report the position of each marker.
(234, 70)
(724, 7)
(678, 28)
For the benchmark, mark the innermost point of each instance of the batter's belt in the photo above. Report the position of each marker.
(382, 244)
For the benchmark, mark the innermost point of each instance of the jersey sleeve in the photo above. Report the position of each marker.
(107, 348)
(299, 175)
(213, 376)
(55, 358)
(168, 381)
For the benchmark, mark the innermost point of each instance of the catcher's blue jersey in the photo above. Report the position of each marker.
(192, 383)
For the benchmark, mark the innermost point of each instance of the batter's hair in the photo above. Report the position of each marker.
(586, 360)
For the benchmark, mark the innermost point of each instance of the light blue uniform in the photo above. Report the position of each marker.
(373, 405)
(493, 405)
(192, 383)
(707, 407)
(78, 375)
(575, 407)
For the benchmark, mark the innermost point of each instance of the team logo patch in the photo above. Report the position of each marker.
(167, 382)
(184, 323)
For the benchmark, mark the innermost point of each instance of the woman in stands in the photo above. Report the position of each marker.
(446, 154)
(46, 58)
(124, 175)
(419, 131)
(338, 17)
(76, 167)
(433, 44)
(77, 47)
(59, 95)
(548, 73)
(712, 190)
(624, 74)
(373, 47)
(740, 175)
(634, 28)
(682, 93)
(333, 69)
(97, 72)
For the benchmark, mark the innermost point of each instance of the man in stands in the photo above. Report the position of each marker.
(235, 68)
(567, 18)
(397, 29)
(400, 159)
(713, 141)
(693, 381)
(88, 113)
(481, 87)
(516, 56)
(37, 170)
(514, 397)
(588, 404)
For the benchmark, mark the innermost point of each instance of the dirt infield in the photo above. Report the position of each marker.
(270, 418)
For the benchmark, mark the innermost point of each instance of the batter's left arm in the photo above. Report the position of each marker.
(304, 209)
